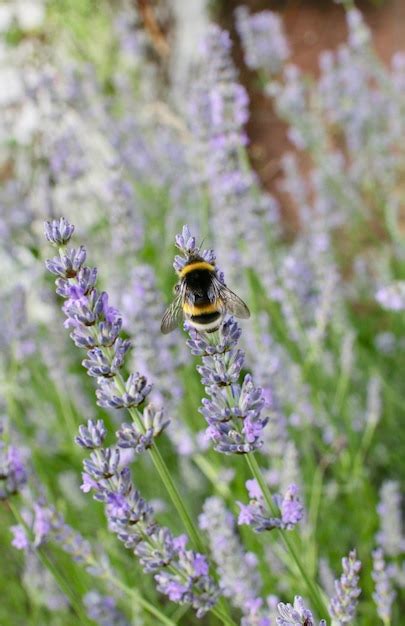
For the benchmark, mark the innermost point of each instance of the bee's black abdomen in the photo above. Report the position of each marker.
(207, 322)
(205, 318)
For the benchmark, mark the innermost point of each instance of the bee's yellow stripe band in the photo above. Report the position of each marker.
(198, 265)
(190, 309)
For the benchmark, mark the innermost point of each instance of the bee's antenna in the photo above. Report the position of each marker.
(202, 241)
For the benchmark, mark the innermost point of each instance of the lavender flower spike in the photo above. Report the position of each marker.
(232, 409)
(296, 615)
(264, 43)
(390, 537)
(181, 574)
(96, 327)
(343, 605)
(383, 595)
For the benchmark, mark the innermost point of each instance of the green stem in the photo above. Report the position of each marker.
(170, 486)
(363, 449)
(311, 585)
(176, 498)
(225, 619)
(211, 473)
(313, 512)
(165, 476)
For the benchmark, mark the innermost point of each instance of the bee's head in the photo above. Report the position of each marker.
(194, 257)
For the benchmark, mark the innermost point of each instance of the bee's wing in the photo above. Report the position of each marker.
(172, 316)
(231, 302)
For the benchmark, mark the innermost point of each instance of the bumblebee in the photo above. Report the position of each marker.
(201, 298)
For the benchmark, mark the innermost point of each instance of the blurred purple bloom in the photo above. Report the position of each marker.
(230, 557)
(343, 605)
(13, 470)
(291, 508)
(103, 609)
(384, 595)
(217, 113)
(255, 513)
(264, 43)
(392, 297)
(20, 539)
(359, 34)
(42, 524)
(254, 491)
(390, 537)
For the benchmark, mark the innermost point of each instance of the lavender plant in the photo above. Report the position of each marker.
(230, 403)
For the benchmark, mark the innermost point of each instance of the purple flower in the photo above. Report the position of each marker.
(180, 573)
(88, 483)
(231, 558)
(217, 113)
(20, 539)
(246, 514)
(136, 391)
(296, 615)
(200, 565)
(291, 508)
(42, 524)
(264, 44)
(59, 232)
(343, 604)
(392, 297)
(96, 327)
(384, 595)
(92, 435)
(13, 470)
(255, 513)
(117, 505)
(103, 610)
(390, 537)
(172, 588)
(359, 34)
(232, 410)
(68, 264)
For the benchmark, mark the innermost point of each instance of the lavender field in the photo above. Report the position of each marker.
(247, 476)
